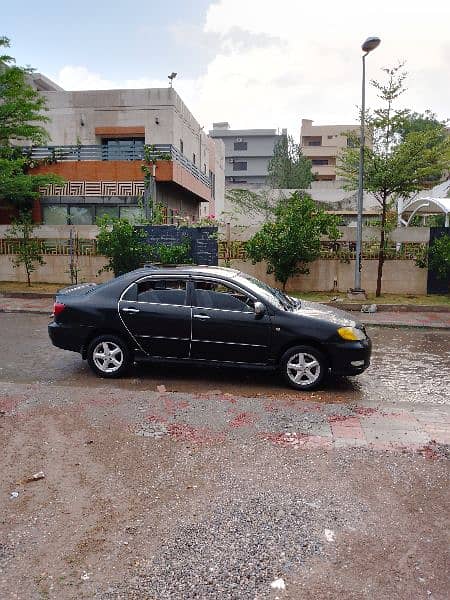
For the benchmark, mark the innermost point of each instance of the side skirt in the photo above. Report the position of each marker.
(203, 362)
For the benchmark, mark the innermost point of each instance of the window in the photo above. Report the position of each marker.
(216, 295)
(123, 148)
(133, 213)
(55, 214)
(314, 143)
(240, 165)
(193, 158)
(162, 291)
(181, 146)
(101, 211)
(240, 145)
(319, 161)
(81, 215)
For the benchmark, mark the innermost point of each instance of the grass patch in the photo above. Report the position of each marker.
(18, 286)
(432, 299)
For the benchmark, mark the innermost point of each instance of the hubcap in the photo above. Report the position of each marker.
(108, 357)
(303, 369)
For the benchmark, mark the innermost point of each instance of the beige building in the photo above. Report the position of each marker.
(322, 145)
(97, 144)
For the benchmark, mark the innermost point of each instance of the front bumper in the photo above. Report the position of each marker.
(350, 358)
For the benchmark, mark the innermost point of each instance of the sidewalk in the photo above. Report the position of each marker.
(440, 320)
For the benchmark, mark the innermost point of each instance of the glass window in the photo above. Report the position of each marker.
(240, 145)
(134, 214)
(55, 214)
(240, 165)
(213, 294)
(81, 215)
(162, 291)
(101, 211)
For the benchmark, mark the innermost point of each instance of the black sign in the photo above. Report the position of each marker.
(203, 240)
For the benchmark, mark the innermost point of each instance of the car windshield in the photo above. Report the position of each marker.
(275, 296)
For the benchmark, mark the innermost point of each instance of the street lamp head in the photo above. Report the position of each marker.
(370, 44)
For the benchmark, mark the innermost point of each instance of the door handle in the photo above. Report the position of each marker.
(130, 310)
(201, 317)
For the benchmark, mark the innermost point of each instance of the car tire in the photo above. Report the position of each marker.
(303, 367)
(109, 356)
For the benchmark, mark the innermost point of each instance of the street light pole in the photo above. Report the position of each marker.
(370, 44)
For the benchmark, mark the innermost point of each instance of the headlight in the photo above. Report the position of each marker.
(352, 334)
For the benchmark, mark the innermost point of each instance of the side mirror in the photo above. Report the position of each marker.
(260, 309)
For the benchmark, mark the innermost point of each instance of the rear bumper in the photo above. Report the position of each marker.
(350, 358)
(68, 337)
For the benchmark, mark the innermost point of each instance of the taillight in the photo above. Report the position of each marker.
(58, 307)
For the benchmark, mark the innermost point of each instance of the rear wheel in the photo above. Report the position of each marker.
(304, 367)
(108, 356)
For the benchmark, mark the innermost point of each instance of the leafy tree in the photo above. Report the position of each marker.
(250, 202)
(21, 120)
(292, 241)
(123, 244)
(288, 168)
(407, 154)
(29, 251)
(439, 257)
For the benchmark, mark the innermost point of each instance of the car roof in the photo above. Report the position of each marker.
(211, 270)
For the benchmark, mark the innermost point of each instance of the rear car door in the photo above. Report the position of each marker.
(155, 312)
(224, 324)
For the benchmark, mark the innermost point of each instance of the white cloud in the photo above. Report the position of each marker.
(274, 63)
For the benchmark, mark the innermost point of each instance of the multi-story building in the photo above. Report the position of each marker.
(322, 145)
(98, 141)
(247, 153)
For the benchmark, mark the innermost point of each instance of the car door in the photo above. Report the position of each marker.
(156, 313)
(225, 326)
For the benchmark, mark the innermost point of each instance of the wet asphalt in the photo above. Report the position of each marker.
(408, 365)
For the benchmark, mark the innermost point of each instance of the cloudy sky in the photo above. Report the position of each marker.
(254, 63)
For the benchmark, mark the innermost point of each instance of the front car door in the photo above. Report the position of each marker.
(224, 324)
(156, 312)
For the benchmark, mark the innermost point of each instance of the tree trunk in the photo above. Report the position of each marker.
(28, 278)
(381, 250)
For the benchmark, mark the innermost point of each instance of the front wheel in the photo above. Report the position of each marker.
(108, 356)
(303, 367)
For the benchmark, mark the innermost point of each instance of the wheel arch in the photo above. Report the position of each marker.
(106, 331)
(305, 341)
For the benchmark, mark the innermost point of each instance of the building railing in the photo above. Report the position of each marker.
(125, 151)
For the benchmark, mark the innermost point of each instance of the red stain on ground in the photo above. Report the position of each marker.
(339, 418)
(297, 440)
(186, 433)
(365, 411)
(9, 403)
(243, 419)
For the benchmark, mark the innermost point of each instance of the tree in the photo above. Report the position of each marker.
(292, 241)
(21, 119)
(247, 202)
(408, 153)
(123, 244)
(29, 252)
(288, 168)
(439, 257)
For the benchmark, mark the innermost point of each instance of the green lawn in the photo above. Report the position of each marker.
(434, 299)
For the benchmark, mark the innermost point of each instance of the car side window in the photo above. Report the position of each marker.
(214, 294)
(162, 291)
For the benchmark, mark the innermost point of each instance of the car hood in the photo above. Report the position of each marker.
(326, 313)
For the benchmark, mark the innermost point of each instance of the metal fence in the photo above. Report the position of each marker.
(235, 250)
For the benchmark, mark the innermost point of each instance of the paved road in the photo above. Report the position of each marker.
(412, 364)
(221, 483)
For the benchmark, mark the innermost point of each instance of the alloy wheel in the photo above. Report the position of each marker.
(108, 357)
(303, 369)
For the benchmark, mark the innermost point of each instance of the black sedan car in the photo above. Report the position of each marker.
(210, 316)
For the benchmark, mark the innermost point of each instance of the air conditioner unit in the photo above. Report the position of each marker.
(239, 139)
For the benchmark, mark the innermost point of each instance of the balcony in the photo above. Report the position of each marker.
(130, 151)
